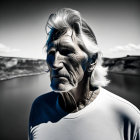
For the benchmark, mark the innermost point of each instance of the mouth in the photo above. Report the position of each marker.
(59, 77)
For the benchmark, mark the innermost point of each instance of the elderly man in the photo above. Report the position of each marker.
(78, 108)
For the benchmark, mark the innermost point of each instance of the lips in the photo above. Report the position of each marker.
(60, 75)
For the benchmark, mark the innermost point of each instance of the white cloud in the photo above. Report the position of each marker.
(6, 49)
(123, 50)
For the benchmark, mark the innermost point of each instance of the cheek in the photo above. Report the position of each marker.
(83, 62)
(79, 61)
(73, 61)
(76, 64)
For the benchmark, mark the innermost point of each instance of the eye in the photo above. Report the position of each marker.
(65, 52)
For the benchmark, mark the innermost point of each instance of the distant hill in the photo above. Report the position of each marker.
(123, 65)
(11, 67)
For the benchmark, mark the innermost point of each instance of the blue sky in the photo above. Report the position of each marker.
(115, 24)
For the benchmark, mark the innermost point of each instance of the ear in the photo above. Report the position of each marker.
(93, 61)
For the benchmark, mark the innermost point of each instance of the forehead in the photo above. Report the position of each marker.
(67, 38)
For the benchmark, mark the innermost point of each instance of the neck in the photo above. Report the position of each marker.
(82, 90)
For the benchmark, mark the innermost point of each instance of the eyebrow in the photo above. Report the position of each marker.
(67, 43)
(64, 45)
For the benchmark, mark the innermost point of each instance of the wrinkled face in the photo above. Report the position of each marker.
(67, 62)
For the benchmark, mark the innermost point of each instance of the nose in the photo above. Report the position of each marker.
(57, 63)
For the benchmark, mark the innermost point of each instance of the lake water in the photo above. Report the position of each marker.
(17, 95)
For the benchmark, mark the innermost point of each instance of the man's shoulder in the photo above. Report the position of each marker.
(120, 105)
(43, 109)
(47, 98)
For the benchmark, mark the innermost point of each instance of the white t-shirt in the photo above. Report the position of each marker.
(108, 117)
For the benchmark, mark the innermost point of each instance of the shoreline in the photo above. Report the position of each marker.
(21, 75)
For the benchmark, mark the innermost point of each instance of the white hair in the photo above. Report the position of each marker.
(67, 18)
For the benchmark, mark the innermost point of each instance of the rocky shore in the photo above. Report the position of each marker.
(124, 65)
(11, 67)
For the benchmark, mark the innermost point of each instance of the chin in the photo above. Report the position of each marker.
(61, 87)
